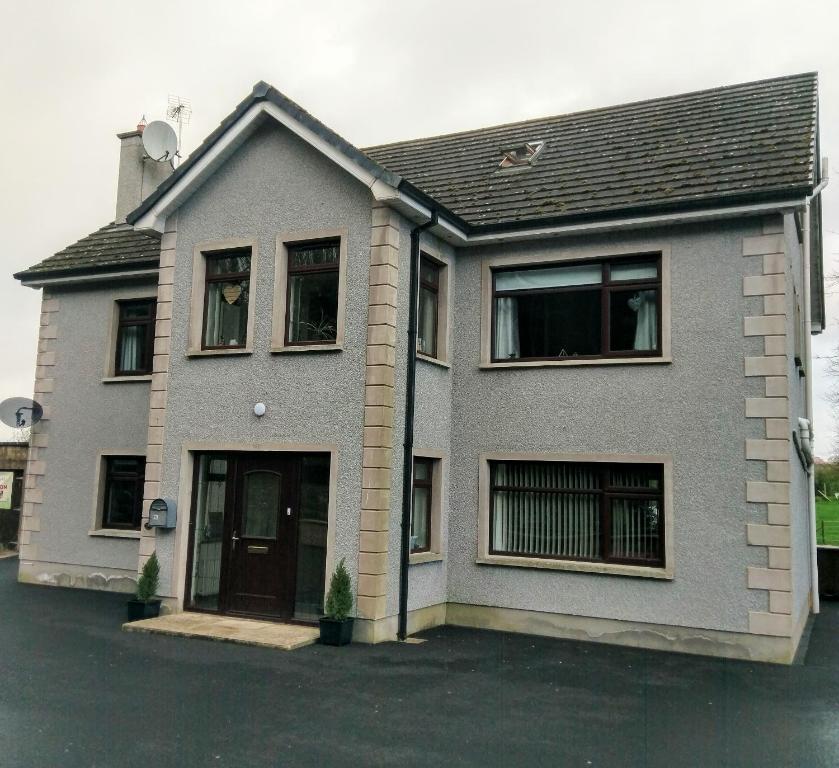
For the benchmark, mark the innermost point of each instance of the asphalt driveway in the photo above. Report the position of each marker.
(76, 691)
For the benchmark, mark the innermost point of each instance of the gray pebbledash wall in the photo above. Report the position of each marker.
(432, 430)
(275, 183)
(692, 409)
(87, 417)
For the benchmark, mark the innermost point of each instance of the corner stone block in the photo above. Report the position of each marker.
(763, 285)
(764, 325)
(767, 450)
(767, 407)
(775, 624)
(778, 514)
(372, 586)
(371, 607)
(761, 244)
(766, 366)
(372, 563)
(775, 345)
(777, 429)
(768, 535)
(375, 519)
(777, 386)
(780, 602)
(774, 305)
(764, 492)
(778, 471)
(780, 557)
(373, 541)
(769, 578)
(774, 264)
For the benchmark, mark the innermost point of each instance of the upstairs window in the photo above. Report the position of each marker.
(135, 337)
(429, 307)
(226, 297)
(312, 301)
(593, 309)
(598, 512)
(123, 498)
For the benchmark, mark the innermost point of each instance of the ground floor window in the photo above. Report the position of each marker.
(123, 498)
(599, 512)
(421, 506)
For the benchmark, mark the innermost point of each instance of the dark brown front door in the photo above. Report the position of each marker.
(263, 541)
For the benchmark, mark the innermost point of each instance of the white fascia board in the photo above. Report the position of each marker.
(682, 217)
(35, 282)
(155, 218)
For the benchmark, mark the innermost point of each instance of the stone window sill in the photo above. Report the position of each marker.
(576, 363)
(219, 352)
(433, 360)
(114, 533)
(294, 348)
(126, 379)
(425, 557)
(613, 569)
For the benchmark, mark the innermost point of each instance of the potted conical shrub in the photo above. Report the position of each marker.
(145, 605)
(336, 626)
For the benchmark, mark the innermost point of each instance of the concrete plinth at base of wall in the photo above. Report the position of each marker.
(697, 641)
(77, 576)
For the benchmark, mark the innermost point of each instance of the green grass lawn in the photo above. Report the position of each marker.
(827, 521)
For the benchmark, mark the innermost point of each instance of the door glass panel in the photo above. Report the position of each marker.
(262, 504)
(209, 525)
(311, 536)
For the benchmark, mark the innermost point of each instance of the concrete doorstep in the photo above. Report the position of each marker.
(269, 634)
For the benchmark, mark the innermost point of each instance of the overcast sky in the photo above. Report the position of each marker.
(72, 75)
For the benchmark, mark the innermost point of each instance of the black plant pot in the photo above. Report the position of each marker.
(335, 631)
(142, 609)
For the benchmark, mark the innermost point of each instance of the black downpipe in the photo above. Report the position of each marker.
(410, 393)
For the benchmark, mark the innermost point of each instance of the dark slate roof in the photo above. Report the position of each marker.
(109, 249)
(742, 142)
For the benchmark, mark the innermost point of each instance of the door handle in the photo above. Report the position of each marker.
(288, 511)
(234, 539)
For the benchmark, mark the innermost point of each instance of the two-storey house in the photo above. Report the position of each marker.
(548, 377)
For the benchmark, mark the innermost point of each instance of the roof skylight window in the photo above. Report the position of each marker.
(521, 155)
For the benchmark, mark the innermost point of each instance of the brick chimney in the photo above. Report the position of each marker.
(139, 175)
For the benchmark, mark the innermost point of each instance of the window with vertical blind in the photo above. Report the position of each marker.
(591, 512)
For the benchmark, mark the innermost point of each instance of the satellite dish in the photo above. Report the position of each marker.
(160, 141)
(20, 412)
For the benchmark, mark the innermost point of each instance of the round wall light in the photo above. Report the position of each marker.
(259, 409)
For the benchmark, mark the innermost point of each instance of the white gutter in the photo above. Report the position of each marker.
(808, 361)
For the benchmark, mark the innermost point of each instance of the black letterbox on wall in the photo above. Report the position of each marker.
(162, 514)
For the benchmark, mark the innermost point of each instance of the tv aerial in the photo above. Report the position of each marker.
(179, 111)
(20, 412)
(160, 141)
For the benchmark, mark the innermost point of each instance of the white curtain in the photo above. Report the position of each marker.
(212, 330)
(129, 356)
(643, 304)
(506, 328)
